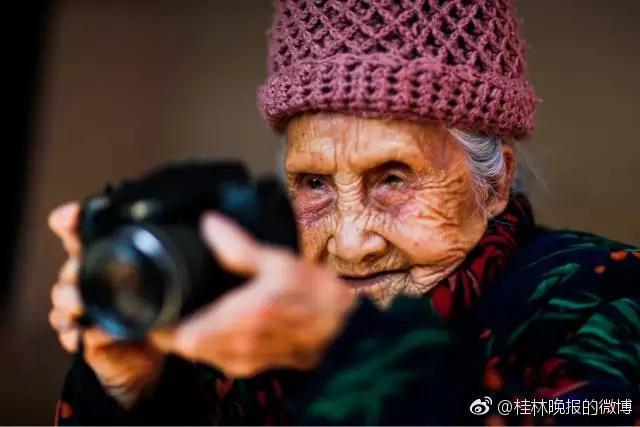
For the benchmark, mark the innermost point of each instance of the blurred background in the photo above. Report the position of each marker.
(107, 89)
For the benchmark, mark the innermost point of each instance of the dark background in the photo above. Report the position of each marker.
(126, 85)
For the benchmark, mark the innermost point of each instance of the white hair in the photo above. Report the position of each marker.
(488, 166)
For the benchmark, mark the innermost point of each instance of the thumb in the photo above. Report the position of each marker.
(233, 247)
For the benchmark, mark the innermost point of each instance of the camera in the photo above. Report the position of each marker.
(144, 264)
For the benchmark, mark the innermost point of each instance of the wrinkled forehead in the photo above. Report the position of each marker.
(327, 143)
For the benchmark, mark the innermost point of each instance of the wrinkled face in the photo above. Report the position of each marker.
(389, 205)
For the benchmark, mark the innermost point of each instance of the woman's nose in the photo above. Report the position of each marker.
(354, 244)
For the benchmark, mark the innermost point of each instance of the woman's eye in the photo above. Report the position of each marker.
(392, 180)
(313, 182)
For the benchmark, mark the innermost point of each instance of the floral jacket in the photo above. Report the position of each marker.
(535, 327)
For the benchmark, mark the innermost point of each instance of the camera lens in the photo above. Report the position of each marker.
(130, 283)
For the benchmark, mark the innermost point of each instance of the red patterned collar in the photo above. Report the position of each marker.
(454, 295)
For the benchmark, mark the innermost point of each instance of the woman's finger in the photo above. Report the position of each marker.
(198, 336)
(95, 337)
(60, 321)
(234, 248)
(69, 339)
(69, 271)
(63, 221)
(194, 338)
(66, 297)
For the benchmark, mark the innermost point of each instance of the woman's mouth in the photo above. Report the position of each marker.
(370, 279)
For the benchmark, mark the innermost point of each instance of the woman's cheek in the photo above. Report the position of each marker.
(391, 201)
(313, 243)
(310, 208)
(405, 226)
(425, 232)
(314, 235)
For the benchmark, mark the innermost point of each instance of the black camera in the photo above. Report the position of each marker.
(144, 264)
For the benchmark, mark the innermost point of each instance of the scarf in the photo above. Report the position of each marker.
(456, 294)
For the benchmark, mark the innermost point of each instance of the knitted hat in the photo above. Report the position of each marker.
(456, 62)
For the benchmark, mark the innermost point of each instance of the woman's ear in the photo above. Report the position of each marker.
(499, 199)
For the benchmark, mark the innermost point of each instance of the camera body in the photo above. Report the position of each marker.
(144, 264)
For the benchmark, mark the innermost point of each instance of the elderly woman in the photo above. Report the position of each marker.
(425, 293)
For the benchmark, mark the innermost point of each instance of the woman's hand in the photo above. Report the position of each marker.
(284, 316)
(125, 370)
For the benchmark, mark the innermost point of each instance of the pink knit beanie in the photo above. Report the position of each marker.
(456, 62)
